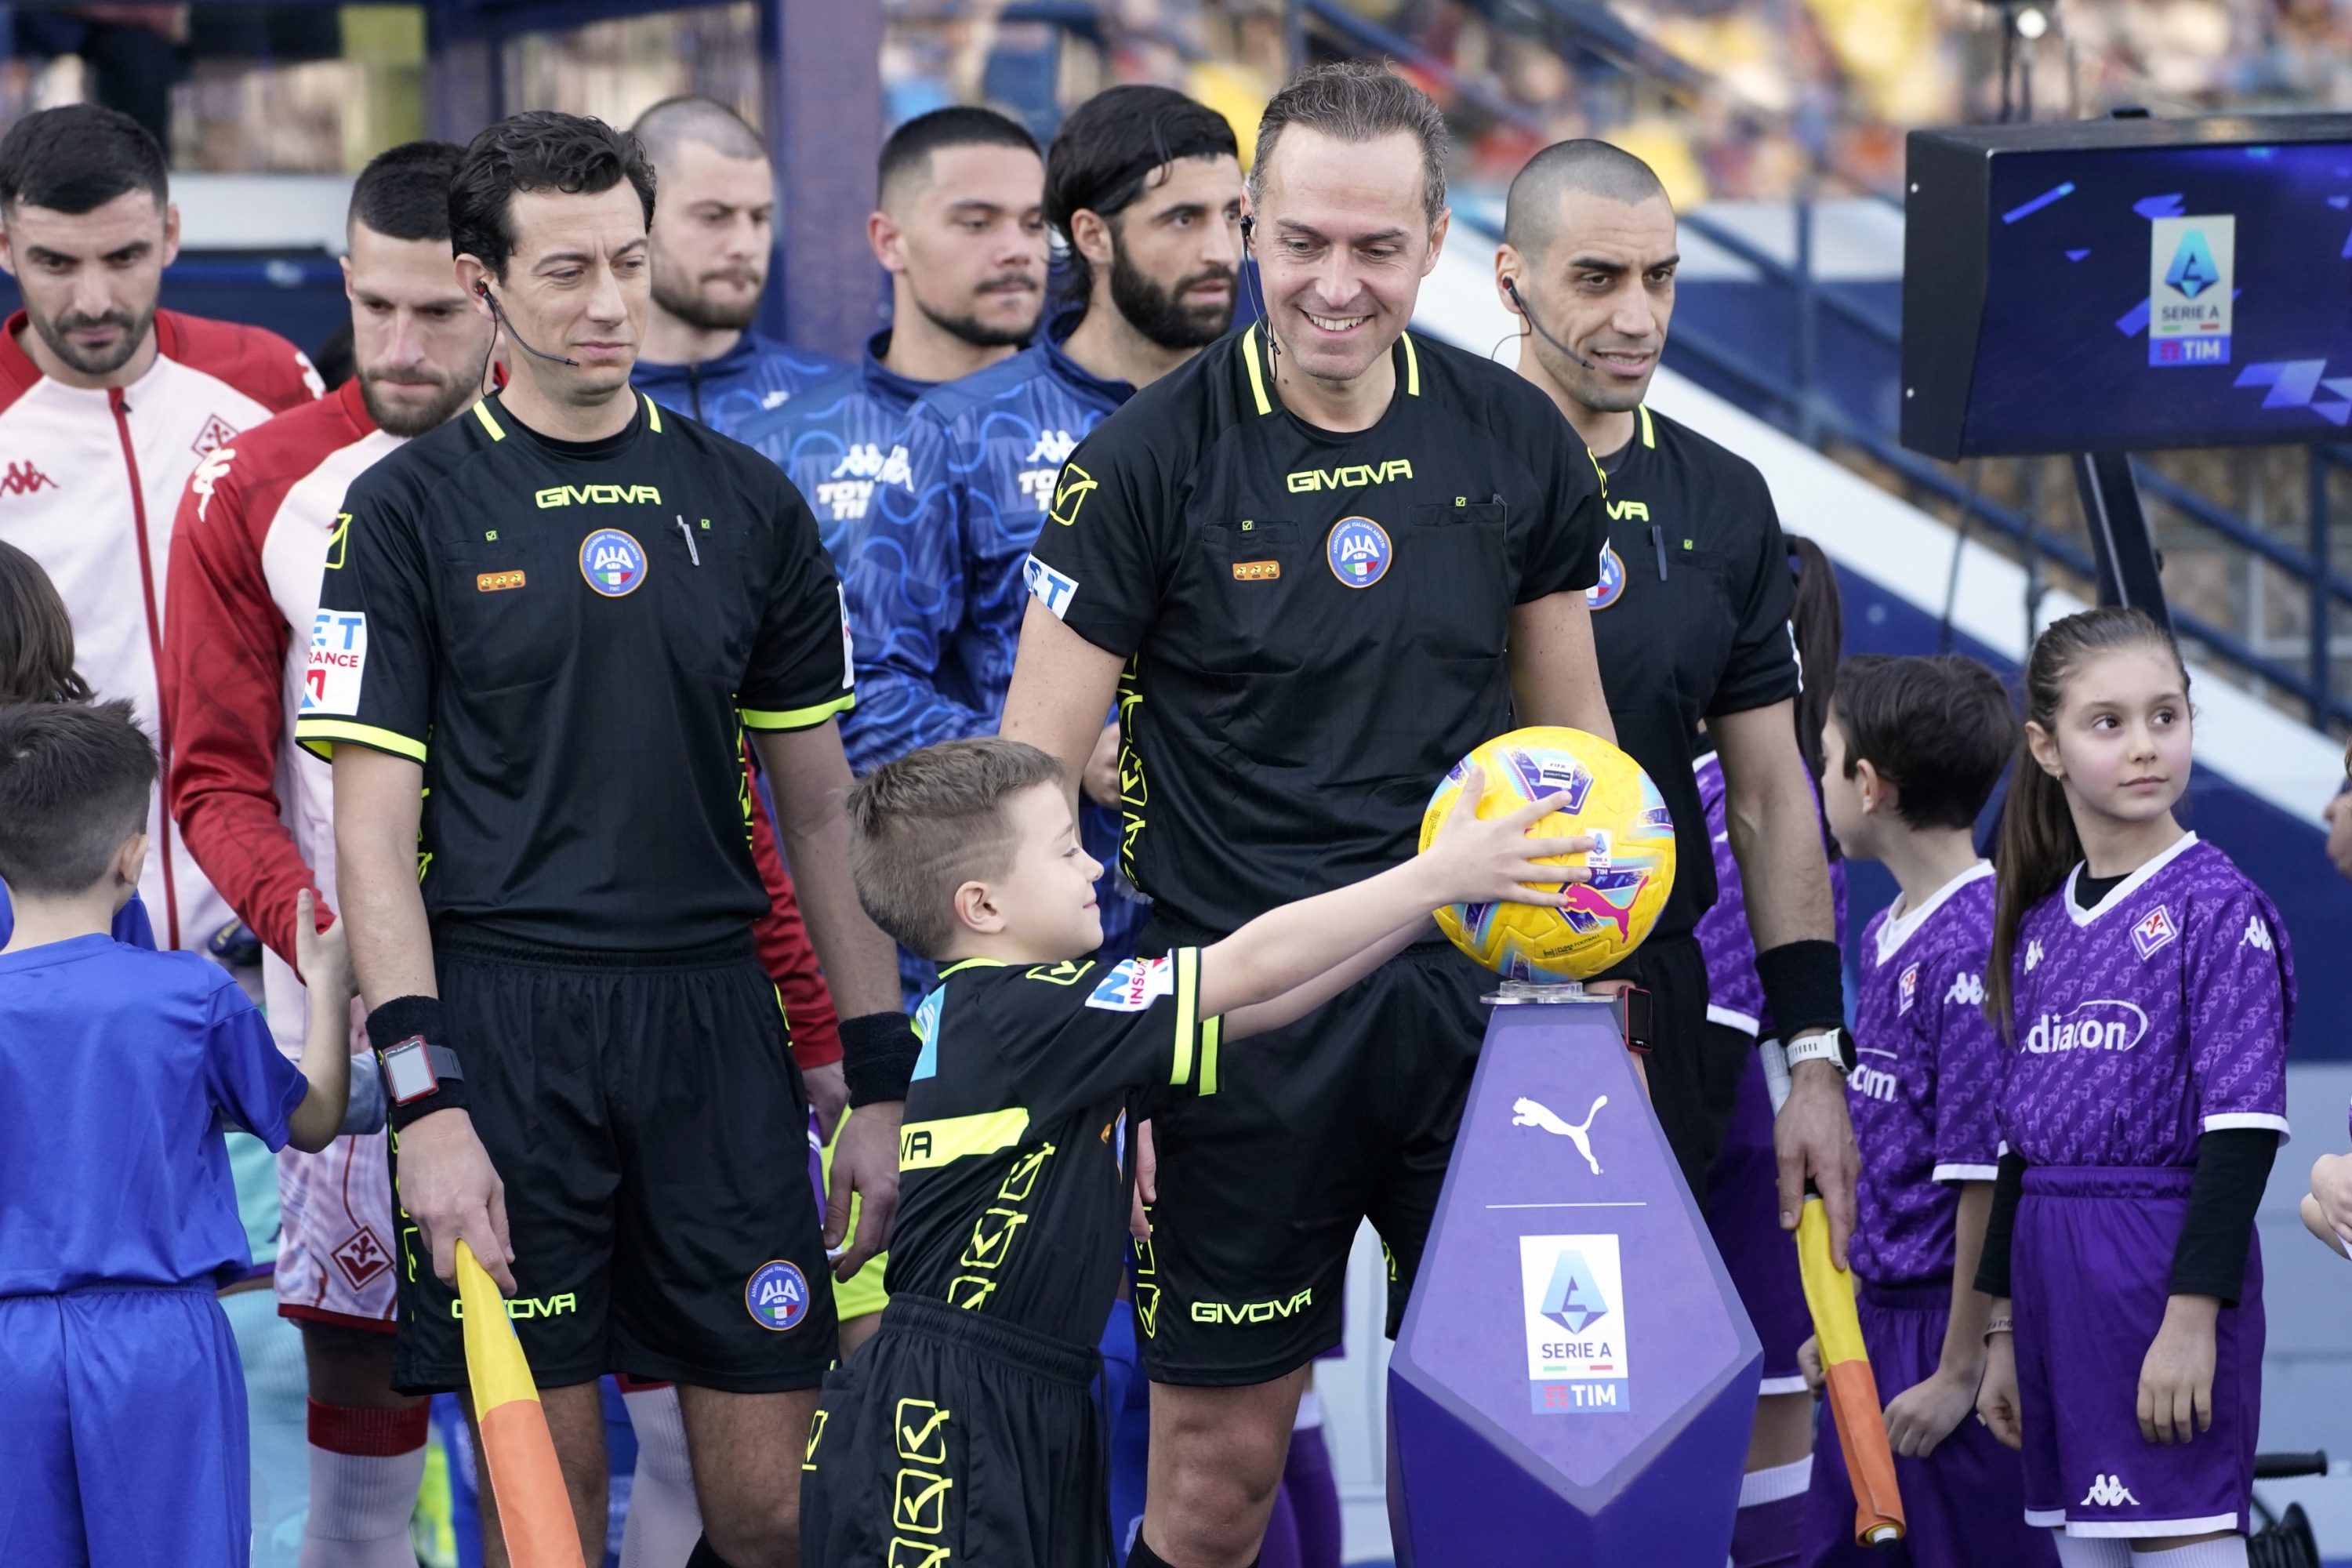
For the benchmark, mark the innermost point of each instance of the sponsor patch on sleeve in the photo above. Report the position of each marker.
(338, 661)
(1056, 589)
(1134, 984)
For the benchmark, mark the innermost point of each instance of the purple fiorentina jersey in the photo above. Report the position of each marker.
(1926, 1080)
(1735, 997)
(2160, 1015)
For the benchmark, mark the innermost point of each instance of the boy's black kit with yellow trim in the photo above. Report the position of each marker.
(963, 1432)
(569, 637)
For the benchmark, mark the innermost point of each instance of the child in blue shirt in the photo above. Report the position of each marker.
(125, 1437)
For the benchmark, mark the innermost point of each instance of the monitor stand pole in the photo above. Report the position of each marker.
(2130, 570)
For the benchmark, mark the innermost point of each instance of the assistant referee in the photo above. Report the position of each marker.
(544, 627)
(1332, 557)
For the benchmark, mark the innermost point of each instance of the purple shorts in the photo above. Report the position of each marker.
(1963, 1505)
(1743, 1214)
(2092, 1266)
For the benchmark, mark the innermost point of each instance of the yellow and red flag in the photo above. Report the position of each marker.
(534, 1508)
(1852, 1389)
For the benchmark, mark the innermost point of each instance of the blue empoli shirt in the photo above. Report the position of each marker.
(836, 440)
(936, 594)
(756, 373)
(116, 1068)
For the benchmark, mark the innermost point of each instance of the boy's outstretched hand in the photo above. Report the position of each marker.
(324, 957)
(1494, 861)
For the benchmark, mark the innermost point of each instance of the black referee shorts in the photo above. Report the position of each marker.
(1347, 1114)
(650, 1127)
(954, 1438)
(1694, 1069)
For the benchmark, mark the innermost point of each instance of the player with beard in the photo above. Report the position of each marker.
(959, 226)
(713, 236)
(1145, 185)
(106, 405)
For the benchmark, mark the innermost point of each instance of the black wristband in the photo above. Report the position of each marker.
(406, 1017)
(1804, 986)
(877, 1056)
(2001, 1227)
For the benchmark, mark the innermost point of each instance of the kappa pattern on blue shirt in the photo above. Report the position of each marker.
(757, 374)
(837, 441)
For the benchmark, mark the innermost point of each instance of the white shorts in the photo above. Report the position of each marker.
(335, 1253)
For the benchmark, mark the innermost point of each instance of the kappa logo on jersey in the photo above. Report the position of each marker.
(24, 479)
(1906, 990)
(1133, 984)
(217, 432)
(2032, 955)
(2257, 935)
(613, 563)
(2105, 1024)
(777, 1295)
(1611, 585)
(597, 495)
(849, 488)
(337, 662)
(1053, 446)
(1071, 493)
(2107, 1491)
(1525, 1112)
(207, 475)
(1967, 989)
(2154, 930)
(362, 1257)
(1355, 475)
(1056, 589)
(1358, 551)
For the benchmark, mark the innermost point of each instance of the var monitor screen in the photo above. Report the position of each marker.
(2111, 285)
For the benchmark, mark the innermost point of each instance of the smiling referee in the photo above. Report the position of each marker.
(1330, 557)
(544, 627)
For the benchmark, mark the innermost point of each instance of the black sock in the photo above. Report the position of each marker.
(704, 1557)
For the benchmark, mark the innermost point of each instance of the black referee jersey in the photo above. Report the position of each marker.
(1012, 1186)
(571, 637)
(1690, 619)
(1315, 620)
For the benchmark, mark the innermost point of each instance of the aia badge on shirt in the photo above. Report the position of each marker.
(613, 563)
(777, 1295)
(1358, 551)
(1611, 586)
(2154, 930)
(1133, 984)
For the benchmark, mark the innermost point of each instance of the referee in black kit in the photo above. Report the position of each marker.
(551, 619)
(1691, 618)
(1330, 557)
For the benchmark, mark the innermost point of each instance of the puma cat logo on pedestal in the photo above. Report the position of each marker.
(1532, 1113)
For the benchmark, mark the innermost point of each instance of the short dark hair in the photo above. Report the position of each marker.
(78, 157)
(73, 781)
(690, 117)
(36, 640)
(1939, 730)
(540, 150)
(923, 825)
(1531, 211)
(1108, 153)
(403, 194)
(909, 151)
(1357, 100)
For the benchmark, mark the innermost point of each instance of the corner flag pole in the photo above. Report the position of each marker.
(534, 1508)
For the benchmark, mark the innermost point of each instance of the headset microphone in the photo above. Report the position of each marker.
(1511, 287)
(1249, 276)
(500, 316)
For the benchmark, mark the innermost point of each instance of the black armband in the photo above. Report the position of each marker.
(2233, 1166)
(877, 1056)
(394, 1025)
(2000, 1226)
(1804, 987)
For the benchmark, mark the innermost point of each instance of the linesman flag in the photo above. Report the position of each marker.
(1852, 1388)
(535, 1510)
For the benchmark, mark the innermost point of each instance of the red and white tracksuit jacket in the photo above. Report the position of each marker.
(88, 484)
(250, 543)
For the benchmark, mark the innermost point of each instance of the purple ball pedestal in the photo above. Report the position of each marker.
(1575, 1378)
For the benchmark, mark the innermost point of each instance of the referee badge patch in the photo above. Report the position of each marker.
(1358, 551)
(1611, 585)
(777, 1295)
(613, 563)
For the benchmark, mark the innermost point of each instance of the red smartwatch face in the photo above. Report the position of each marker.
(408, 1070)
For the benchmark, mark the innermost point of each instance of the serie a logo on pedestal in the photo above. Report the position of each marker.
(1575, 1298)
(777, 1295)
(613, 563)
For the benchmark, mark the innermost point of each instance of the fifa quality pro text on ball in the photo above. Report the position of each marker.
(1632, 858)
